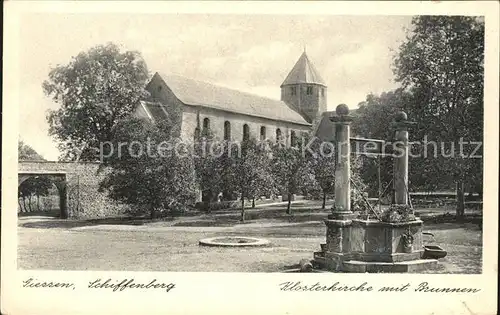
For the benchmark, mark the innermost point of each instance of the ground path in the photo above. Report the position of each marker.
(47, 243)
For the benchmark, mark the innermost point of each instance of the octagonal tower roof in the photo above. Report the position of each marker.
(303, 72)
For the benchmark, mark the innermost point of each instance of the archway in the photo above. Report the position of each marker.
(56, 179)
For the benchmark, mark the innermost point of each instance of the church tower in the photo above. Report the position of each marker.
(304, 90)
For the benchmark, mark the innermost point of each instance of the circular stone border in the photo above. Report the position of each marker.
(213, 241)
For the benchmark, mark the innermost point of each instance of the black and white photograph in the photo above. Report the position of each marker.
(304, 145)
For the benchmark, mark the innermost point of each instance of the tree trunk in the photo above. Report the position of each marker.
(460, 200)
(242, 208)
(253, 202)
(24, 203)
(323, 206)
(29, 203)
(152, 214)
(38, 202)
(20, 205)
(288, 207)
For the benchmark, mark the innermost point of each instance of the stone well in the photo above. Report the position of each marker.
(372, 246)
(355, 245)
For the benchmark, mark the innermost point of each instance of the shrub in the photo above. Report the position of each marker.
(397, 214)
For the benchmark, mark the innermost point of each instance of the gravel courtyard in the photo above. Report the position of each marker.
(48, 243)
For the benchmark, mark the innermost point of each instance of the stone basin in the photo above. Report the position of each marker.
(233, 241)
(433, 252)
(373, 246)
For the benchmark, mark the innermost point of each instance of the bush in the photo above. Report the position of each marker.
(397, 214)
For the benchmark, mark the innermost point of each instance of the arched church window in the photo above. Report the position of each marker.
(294, 90)
(206, 124)
(278, 135)
(322, 92)
(309, 90)
(227, 130)
(159, 88)
(293, 138)
(262, 133)
(206, 127)
(246, 132)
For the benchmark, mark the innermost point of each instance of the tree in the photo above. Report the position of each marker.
(39, 185)
(264, 185)
(209, 165)
(158, 178)
(26, 153)
(322, 164)
(251, 171)
(95, 90)
(290, 170)
(226, 164)
(374, 117)
(441, 63)
(34, 186)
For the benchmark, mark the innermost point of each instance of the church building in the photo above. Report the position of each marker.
(234, 115)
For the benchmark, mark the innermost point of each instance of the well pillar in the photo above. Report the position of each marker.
(355, 245)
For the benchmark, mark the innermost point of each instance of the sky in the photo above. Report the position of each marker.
(251, 53)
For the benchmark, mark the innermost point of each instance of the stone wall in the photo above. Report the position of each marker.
(217, 119)
(83, 198)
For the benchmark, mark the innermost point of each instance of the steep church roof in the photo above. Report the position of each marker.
(325, 128)
(198, 93)
(303, 72)
(155, 110)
